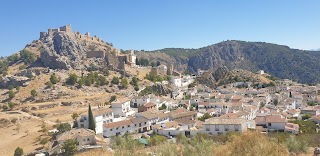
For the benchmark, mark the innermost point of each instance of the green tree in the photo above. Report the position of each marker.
(54, 79)
(10, 87)
(11, 105)
(134, 81)
(81, 82)
(204, 117)
(69, 147)
(191, 108)
(124, 83)
(115, 80)
(18, 151)
(136, 88)
(49, 84)
(72, 80)
(75, 116)
(63, 127)
(34, 93)
(5, 107)
(153, 64)
(306, 116)
(27, 57)
(11, 94)
(163, 106)
(92, 124)
(113, 98)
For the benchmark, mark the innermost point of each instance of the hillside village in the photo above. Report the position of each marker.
(102, 92)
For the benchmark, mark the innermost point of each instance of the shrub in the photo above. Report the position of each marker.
(11, 94)
(296, 145)
(34, 93)
(115, 80)
(72, 80)
(54, 79)
(252, 143)
(5, 107)
(22, 67)
(124, 83)
(18, 151)
(113, 98)
(27, 57)
(306, 116)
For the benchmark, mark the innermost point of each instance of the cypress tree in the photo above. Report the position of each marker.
(92, 124)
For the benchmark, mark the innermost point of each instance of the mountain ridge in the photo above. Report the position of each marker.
(278, 60)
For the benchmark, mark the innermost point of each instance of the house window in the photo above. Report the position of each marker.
(226, 127)
(207, 128)
(217, 127)
(88, 139)
(135, 124)
(122, 127)
(85, 118)
(84, 139)
(128, 125)
(111, 129)
(236, 127)
(117, 128)
(269, 124)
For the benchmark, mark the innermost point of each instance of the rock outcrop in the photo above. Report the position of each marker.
(13, 81)
(161, 89)
(63, 51)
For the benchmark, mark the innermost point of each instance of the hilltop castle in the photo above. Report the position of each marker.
(117, 60)
(68, 29)
(51, 31)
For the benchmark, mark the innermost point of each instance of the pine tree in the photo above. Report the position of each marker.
(92, 124)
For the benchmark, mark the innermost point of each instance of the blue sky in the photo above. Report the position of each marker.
(150, 25)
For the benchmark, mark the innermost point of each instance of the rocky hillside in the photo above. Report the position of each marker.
(280, 61)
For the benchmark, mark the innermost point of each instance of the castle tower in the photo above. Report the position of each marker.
(132, 58)
(170, 69)
(66, 28)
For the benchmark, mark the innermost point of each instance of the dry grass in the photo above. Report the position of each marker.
(96, 152)
(252, 144)
(11, 139)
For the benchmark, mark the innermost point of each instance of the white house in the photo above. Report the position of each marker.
(121, 107)
(132, 125)
(84, 137)
(218, 126)
(273, 122)
(100, 115)
(176, 81)
(139, 101)
(173, 128)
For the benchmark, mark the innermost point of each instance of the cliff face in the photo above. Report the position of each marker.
(278, 60)
(62, 52)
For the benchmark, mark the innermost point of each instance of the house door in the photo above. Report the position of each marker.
(187, 133)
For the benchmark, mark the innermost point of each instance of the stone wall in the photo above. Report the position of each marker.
(66, 28)
(122, 61)
(95, 54)
(32, 71)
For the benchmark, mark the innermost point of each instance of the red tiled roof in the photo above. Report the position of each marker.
(275, 119)
(118, 124)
